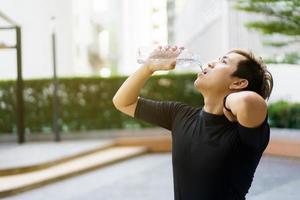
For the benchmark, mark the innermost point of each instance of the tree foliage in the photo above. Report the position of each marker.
(282, 18)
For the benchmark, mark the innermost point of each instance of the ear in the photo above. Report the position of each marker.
(238, 84)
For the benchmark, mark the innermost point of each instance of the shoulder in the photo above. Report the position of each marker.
(161, 106)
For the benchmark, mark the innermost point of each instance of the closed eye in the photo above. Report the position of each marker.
(222, 60)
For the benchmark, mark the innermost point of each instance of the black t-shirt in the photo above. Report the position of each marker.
(212, 158)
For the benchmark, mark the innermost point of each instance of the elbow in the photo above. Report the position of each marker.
(253, 100)
(115, 102)
(118, 103)
(251, 109)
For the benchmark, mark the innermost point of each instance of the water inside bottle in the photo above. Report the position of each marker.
(186, 60)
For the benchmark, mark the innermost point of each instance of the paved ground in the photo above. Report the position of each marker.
(32, 153)
(149, 177)
(14, 155)
(276, 179)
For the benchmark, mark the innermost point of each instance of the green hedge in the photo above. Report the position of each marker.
(86, 103)
(284, 115)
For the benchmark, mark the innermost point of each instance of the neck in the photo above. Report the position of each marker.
(214, 104)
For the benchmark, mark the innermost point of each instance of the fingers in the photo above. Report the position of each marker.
(164, 57)
(166, 51)
(229, 115)
(168, 47)
(159, 47)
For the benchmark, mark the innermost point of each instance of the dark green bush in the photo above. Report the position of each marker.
(284, 115)
(86, 103)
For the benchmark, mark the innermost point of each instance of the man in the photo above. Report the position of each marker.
(215, 149)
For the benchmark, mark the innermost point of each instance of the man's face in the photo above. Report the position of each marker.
(216, 77)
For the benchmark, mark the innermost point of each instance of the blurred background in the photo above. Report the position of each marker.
(101, 37)
(61, 62)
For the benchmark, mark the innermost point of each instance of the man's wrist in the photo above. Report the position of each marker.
(148, 68)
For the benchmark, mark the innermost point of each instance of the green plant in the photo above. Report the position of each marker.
(281, 18)
(86, 103)
(283, 114)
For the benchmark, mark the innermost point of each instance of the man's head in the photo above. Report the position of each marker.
(237, 70)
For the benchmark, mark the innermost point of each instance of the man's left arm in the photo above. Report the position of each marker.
(247, 107)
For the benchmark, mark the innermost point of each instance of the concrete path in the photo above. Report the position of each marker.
(149, 177)
(14, 184)
(284, 133)
(33, 153)
(146, 177)
(277, 179)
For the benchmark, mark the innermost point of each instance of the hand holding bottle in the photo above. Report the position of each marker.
(166, 58)
(161, 58)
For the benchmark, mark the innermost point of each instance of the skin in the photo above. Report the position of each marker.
(247, 107)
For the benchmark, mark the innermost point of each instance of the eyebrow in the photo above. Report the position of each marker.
(224, 57)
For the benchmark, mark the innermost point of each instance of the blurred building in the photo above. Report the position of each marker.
(144, 24)
(211, 28)
(34, 17)
(101, 37)
(94, 37)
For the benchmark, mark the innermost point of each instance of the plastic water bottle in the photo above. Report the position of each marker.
(186, 60)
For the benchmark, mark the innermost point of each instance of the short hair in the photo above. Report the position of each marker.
(254, 70)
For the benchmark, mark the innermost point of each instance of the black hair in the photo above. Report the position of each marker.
(253, 69)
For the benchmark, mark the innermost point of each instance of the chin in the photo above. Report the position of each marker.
(197, 84)
(202, 86)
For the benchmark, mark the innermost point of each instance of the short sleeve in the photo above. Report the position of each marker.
(160, 113)
(257, 138)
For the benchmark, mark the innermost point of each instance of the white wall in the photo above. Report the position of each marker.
(130, 23)
(136, 31)
(34, 17)
(82, 36)
(210, 30)
(239, 36)
(201, 28)
(213, 27)
(286, 82)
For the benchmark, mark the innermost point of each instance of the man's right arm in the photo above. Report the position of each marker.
(125, 100)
